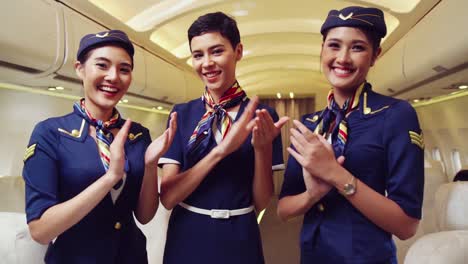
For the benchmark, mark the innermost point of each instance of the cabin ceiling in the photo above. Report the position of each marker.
(281, 38)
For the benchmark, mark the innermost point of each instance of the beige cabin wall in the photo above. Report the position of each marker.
(445, 126)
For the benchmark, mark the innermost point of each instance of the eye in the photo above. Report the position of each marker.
(101, 65)
(196, 55)
(333, 45)
(218, 51)
(359, 48)
(125, 70)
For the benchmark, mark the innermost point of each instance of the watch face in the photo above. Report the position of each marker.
(349, 189)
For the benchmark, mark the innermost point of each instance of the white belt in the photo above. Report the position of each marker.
(218, 213)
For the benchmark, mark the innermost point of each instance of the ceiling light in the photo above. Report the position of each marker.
(463, 86)
(291, 95)
(59, 88)
(51, 88)
(240, 13)
(415, 100)
(125, 100)
(160, 108)
(278, 95)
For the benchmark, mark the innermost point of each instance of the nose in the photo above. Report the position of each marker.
(207, 61)
(343, 56)
(112, 74)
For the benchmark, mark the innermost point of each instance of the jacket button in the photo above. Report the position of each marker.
(131, 136)
(118, 225)
(75, 133)
(321, 207)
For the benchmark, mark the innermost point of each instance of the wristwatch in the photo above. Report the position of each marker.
(350, 187)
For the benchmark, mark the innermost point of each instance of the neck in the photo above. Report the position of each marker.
(97, 112)
(216, 94)
(341, 97)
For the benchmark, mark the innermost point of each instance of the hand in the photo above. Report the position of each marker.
(316, 185)
(239, 130)
(160, 145)
(313, 152)
(265, 130)
(117, 153)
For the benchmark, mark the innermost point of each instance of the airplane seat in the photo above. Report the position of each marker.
(433, 178)
(16, 244)
(449, 243)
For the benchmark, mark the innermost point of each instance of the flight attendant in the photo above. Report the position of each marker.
(218, 171)
(356, 167)
(88, 172)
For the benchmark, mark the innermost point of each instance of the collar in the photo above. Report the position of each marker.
(372, 103)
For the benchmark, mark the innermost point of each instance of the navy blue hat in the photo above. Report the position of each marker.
(100, 39)
(356, 16)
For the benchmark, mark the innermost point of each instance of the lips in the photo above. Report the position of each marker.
(342, 71)
(212, 75)
(109, 89)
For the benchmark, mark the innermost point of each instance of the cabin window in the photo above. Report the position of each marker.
(436, 154)
(456, 161)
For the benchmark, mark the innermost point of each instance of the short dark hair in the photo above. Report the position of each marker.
(215, 22)
(371, 35)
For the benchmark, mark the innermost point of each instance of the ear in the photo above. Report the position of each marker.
(79, 68)
(239, 51)
(375, 56)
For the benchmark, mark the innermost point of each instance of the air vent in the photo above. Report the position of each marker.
(439, 69)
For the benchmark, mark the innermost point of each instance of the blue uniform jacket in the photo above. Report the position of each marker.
(61, 161)
(385, 151)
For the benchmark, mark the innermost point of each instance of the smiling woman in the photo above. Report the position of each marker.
(356, 171)
(87, 172)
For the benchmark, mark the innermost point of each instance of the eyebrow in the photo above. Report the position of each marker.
(108, 61)
(354, 41)
(210, 48)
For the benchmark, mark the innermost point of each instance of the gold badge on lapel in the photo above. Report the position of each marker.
(29, 152)
(132, 136)
(75, 132)
(417, 139)
(313, 119)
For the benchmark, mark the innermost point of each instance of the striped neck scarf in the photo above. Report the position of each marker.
(103, 135)
(334, 120)
(199, 142)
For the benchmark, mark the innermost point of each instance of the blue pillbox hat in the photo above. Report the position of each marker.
(100, 39)
(356, 16)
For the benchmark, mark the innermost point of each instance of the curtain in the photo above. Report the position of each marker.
(294, 109)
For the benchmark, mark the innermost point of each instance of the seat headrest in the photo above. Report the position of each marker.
(451, 206)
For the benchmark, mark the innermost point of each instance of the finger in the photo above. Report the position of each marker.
(280, 123)
(172, 125)
(250, 125)
(304, 130)
(121, 136)
(325, 142)
(341, 160)
(255, 134)
(297, 145)
(296, 155)
(260, 122)
(249, 110)
(298, 137)
(267, 119)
